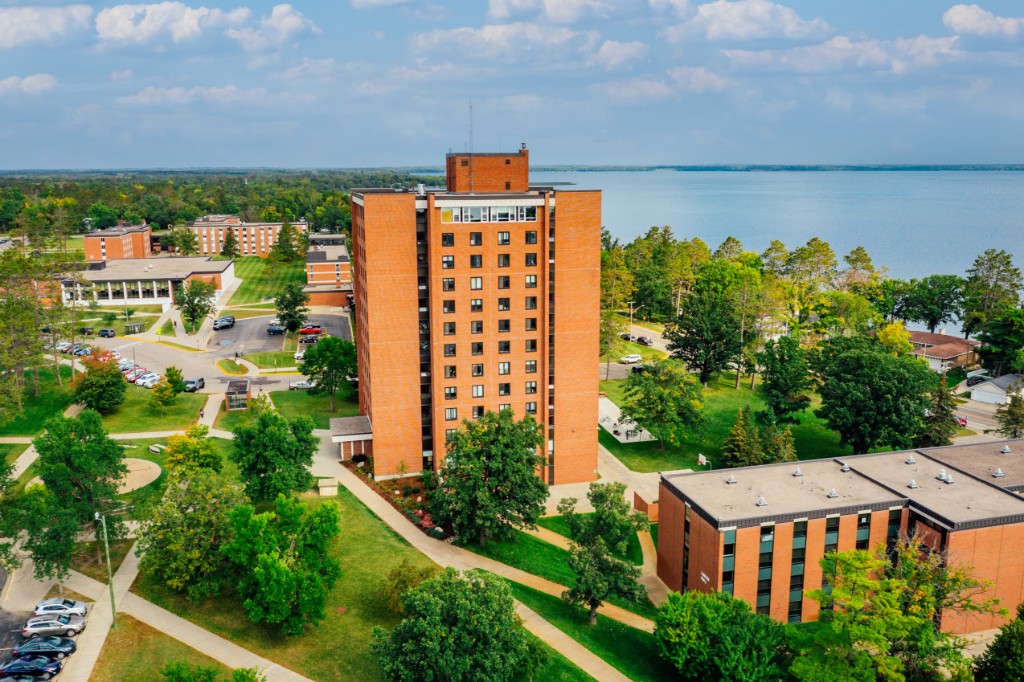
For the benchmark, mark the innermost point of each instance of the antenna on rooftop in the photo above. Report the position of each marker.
(470, 146)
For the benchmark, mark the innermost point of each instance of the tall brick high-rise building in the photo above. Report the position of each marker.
(480, 297)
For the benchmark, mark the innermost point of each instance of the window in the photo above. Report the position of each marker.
(447, 239)
(478, 370)
(504, 368)
(531, 260)
(477, 348)
(504, 389)
(504, 304)
(476, 327)
(478, 391)
(448, 306)
(450, 392)
(531, 324)
(504, 281)
(451, 414)
(447, 262)
(531, 236)
(478, 411)
(863, 530)
(531, 345)
(476, 261)
(449, 350)
(476, 305)
(476, 283)
(502, 408)
(504, 260)
(504, 239)
(449, 371)
(531, 281)
(449, 328)
(531, 302)
(531, 387)
(504, 325)
(476, 238)
(504, 346)
(449, 434)
(448, 284)
(531, 366)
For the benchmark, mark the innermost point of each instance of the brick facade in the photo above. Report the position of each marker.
(489, 173)
(253, 239)
(115, 243)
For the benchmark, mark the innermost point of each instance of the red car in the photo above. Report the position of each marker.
(312, 329)
(962, 421)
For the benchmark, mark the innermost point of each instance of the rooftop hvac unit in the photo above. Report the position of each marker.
(910, 460)
(845, 468)
(798, 472)
(731, 480)
(998, 473)
(1005, 450)
(942, 475)
(912, 485)
(832, 494)
(761, 502)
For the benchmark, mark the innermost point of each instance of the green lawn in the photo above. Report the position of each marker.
(533, 555)
(629, 348)
(151, 309)
(232, 368)
(243, 313)
(292, 404)
(654, 533)
(558, 524)
(90, 559)
(721, 404)
(632, 652)
(261, 306)
(137, 414)
(263, 278)
(135, 652)
(51, 401)
(273, 359)
(167, 329)
(12, 451)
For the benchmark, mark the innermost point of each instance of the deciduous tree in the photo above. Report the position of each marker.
(331, 365)
(162, 396)
(1002, 341)
(936, 299)
(175, 378)
(195, 300)
(895, 338)
(274, 455)
(489, 483)
(102, 387)
(785, 379)
(291, 306)
(993, 284)
(1003, 660)
(600, 575)
(706, 335)
(400, 580)
(663, 399)
(193, 450)
(613, 520)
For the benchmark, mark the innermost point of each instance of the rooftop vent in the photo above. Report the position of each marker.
(761, 502)
(421, 189)
(912, 485)
(1005, 450)
(948, 480)
(944, 476)
(846, 467)
(832, 494)
(998, 473)
(798, 472)
(910, 460)
(731, 480)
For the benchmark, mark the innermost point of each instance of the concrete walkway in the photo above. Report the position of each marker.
(610, 418)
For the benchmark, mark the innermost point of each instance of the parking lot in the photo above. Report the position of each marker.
(10, 625)
(250, 335)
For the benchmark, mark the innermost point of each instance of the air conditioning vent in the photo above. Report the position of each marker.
(761, 502)
(1005, 450)
(998, 473)
(798, 472)
(911, 460)
(944, 477)
(731, 480)
(846, 467)
(832, 494)
(912, 485)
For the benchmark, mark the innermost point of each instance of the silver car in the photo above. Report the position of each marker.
(63, 624)
(57, 605)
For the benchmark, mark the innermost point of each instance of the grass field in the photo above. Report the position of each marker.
(135, 652)
(722, 402)
(137, 414)
(12, 451)
(292, 404)
(228, 421)
(654, 533)
(630, 348)
(51, 401)
(273, 359)
(263, 279)
(232, 368)
(558, 524)
(632, 652)
(88, 562)
(167, 329)
(244, 314)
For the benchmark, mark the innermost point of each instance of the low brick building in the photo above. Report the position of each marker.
(759, 532)
(123, 241)
(145, 280)
(328, 275)
(253, 239)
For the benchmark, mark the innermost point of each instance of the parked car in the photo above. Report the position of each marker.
(125, 365)
(53, 625)
(4, 240)
(311, 328)
(17, 678)
(309, 339)
(631, 359)
(58, 605)
(274, 323)
(301, 385)
(148, 380)
(132, 376)
(645, 341)
(193, 385)
(640, 369)
(39, 667)
(64, 346)
(627, 337)
(274, 329)
(77, 347)
(974, 381)
(107, 333)
(230, 318)
(54, 647)
(300, 355)
(85, 350)
(223, 323)
(961, 421)
(88, 331)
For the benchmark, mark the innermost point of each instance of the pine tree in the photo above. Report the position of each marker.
(229, 248)
(1011, 415)
(940, 423)
(777, 446)
(742, 446)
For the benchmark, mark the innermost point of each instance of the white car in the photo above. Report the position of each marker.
(125, 365)
(300, 355)
(63, 347)
(301, 385)
(148, 380)
(631, 359)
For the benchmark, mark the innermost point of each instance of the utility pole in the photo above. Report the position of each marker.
(631, 311)
(110, 575)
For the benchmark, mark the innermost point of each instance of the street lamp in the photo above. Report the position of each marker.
(631, 311)
(110, 575)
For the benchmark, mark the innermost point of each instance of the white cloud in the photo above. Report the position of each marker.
(284, 24)
(559, 11)
(697, 79)
(141, 24)
(47, 25)
(310, 69)
(840, 53)
(363, 4)
(36, 84)
(614, 55)
(973, 20)
(508, 42)
(225, 96)
(747, 20)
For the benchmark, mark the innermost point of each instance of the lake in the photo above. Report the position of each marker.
(915, 223)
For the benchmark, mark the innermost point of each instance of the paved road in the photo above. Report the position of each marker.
(659, 341)
(10, 624)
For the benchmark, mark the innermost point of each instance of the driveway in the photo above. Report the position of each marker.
(250, 335)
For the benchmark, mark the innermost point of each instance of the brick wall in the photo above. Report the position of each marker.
(489, 173)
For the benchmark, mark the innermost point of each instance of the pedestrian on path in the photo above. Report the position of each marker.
(202, 412)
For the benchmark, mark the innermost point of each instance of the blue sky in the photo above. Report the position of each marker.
(357, 83)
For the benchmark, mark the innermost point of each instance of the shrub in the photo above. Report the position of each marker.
(400, 580)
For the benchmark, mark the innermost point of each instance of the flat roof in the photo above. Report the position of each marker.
(982, 459)
(118, 230)
(156, 268)
(327, 254)
(785, 493)
(237, 387)
(351, 426)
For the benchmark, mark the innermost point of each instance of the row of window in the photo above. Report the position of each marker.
(452, 392)
(451, 372)
(451, 414)
(477, 238)
(489, 214)
(477, 326)
(477, 261)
